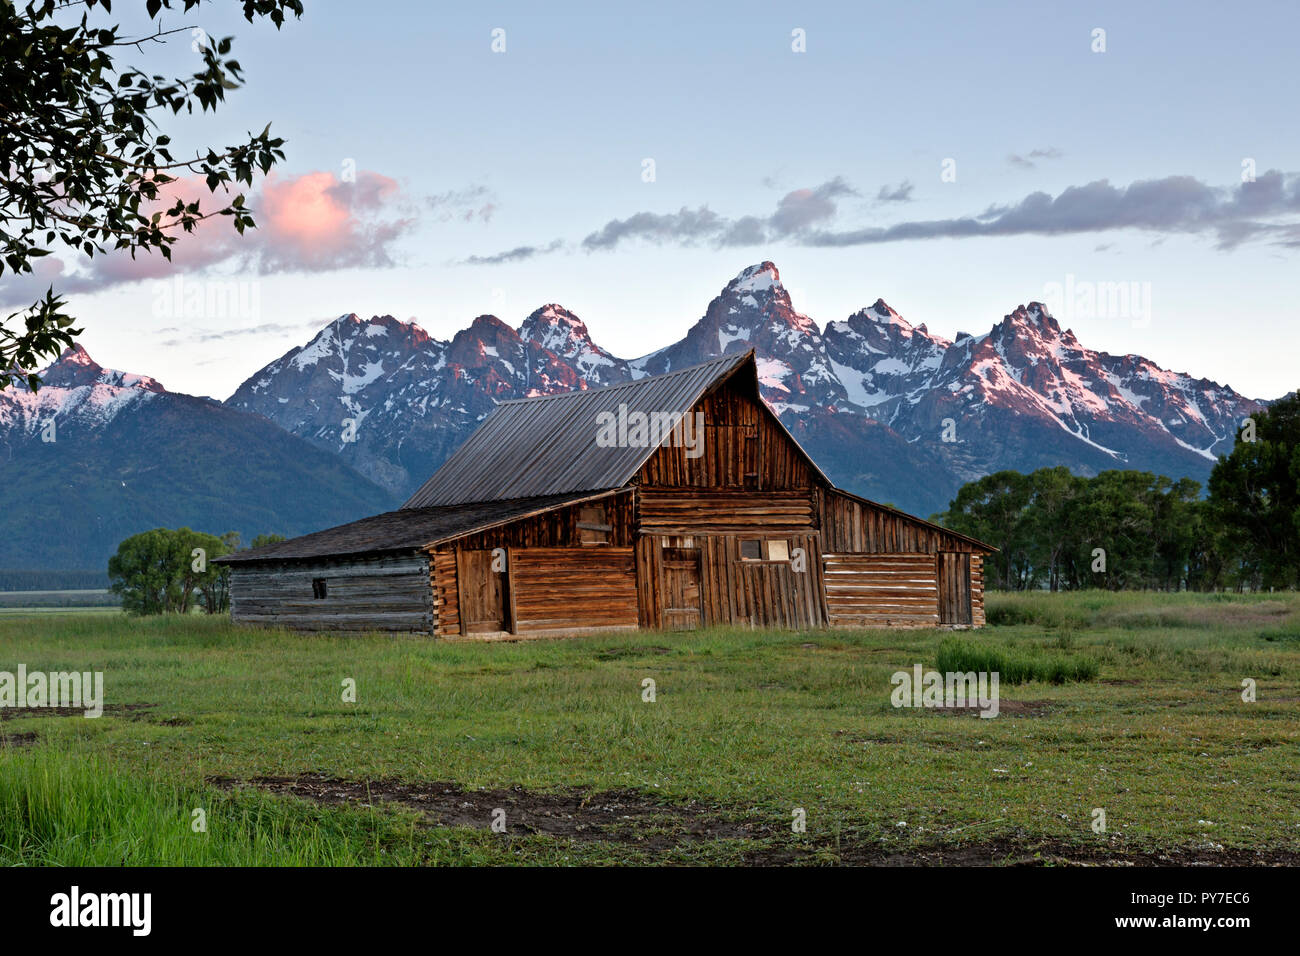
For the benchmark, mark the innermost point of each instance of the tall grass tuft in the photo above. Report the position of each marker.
(56, 812)
(1015, 667)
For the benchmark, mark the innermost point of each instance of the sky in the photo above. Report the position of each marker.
(954, 159)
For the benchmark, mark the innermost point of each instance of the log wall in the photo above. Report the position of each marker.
(446, 593)
(877, 590)
(388, 593)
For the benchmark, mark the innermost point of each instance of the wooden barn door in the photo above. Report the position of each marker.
(954, 588)
(482, 596)
(681, 570)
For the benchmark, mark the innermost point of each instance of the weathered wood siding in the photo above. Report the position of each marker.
(955, 588)
(566, 588)
(731, 589)
(683, 512)
(556, 529)
(850, 525)
(446, 593)
(744, 447)
(649, 589)
(875, 590)
(383, 593)
(977, 589)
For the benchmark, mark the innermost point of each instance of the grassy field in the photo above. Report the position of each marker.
(554, 740)
(100, 598)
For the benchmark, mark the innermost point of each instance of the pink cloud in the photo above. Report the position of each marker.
(313, 222)
(316, 222)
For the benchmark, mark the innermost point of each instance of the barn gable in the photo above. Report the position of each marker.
(553, 444)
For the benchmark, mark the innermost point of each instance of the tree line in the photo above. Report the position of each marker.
(1133, 529)
(171, 570)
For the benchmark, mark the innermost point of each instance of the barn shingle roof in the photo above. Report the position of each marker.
(547, 445)
(407, 529)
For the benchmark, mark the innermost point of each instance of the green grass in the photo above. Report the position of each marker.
(86, 813)
(749, 723)
(989, 656)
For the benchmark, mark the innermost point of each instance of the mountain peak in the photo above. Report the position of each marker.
(762, 277)
(881, 312)
(76, 355)
(75, 368)
(490, 325)
(553, 322)
(1035, 313)
(556, 329)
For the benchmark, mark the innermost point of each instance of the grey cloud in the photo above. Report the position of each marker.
(1168, 206)
(685, 226)
(798, 210)
(468, 204)
(1175, 204)
(221, 335)
(517, 254)
(900, 193)
(1027, 162)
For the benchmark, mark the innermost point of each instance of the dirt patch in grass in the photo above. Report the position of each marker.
(615, 816)
(130, 710)
(1054, 852)
(1006, 708)
(15, 740)
(635, 819)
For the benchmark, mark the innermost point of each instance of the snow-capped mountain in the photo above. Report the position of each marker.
(97, 455)
(754, 310)
(75, 391)
(391, 400)
(888, 409)
(1027, 394)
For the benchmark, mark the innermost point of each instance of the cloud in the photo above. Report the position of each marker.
(900, 193)
(798, 210)
(1265, 210)
(685, 226)
(220, 335)
(1027, 162)
(473, 202)
(517, 254)
(314, 222)
(1175, 204)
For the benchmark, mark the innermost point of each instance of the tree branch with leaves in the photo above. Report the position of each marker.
(84, 164)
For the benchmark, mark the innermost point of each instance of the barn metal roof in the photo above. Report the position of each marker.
(547, 445)
(408, 529)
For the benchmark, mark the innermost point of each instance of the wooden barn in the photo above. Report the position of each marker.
(672, 502)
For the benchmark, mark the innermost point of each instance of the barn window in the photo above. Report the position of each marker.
(775, 550)
(593, 524)
(318, 588)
